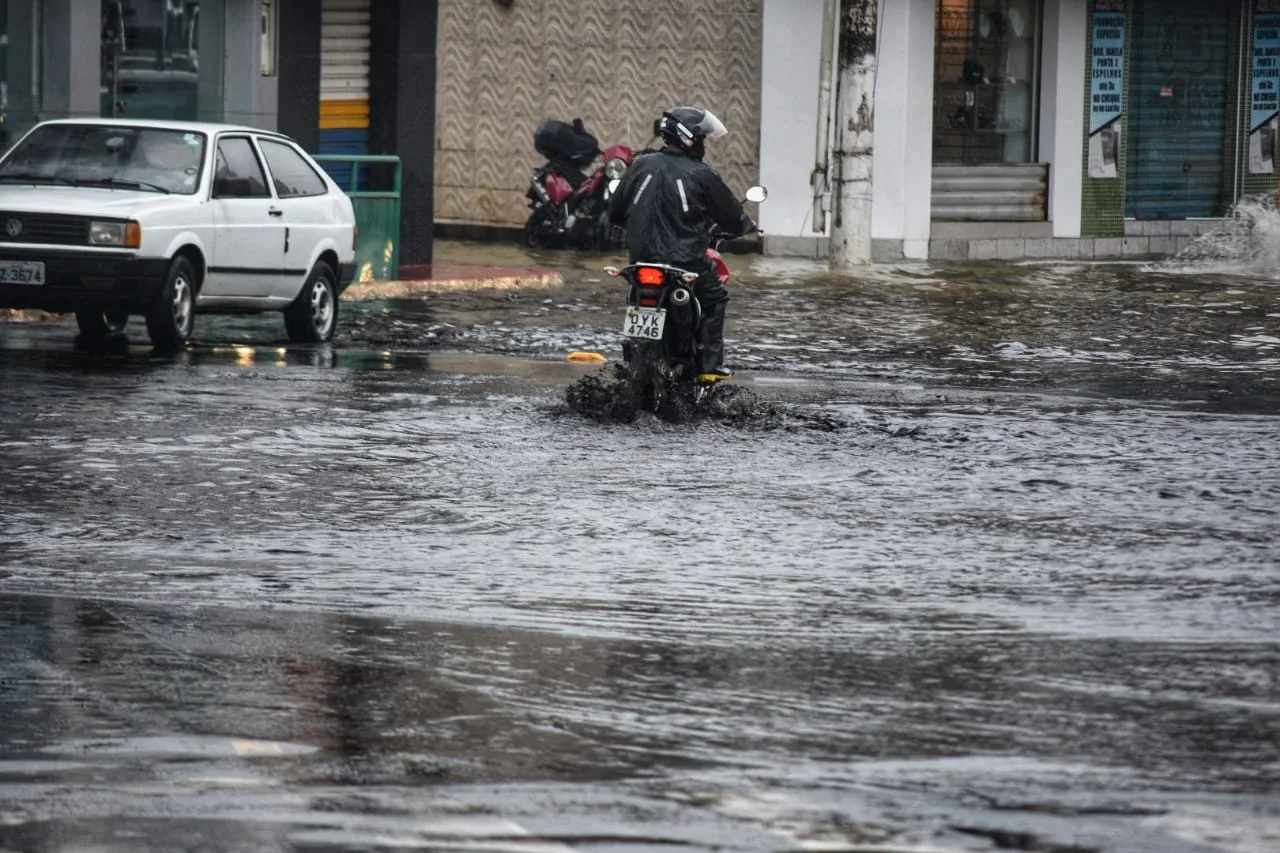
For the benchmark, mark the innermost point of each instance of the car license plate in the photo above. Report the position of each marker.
(644, 323)
(21, 272)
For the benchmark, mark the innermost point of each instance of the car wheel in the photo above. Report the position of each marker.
(313, 316)
(171, 317)
(94, 322)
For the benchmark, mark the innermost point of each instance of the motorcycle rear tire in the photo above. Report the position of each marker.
(652, 389)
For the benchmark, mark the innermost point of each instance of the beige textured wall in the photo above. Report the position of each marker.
(615, 63)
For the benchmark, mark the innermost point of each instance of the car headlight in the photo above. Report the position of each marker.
(126, 235)
(615, 168)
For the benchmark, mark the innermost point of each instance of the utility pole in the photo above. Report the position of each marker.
(855, 123)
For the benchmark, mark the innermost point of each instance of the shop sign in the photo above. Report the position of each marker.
(1266, 93)
(1106, 88)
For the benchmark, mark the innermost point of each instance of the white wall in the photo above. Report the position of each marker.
(1062, 105)
(902, 169)
(902, 172)
(789, 114)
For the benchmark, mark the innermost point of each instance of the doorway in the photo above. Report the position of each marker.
(1183, 97)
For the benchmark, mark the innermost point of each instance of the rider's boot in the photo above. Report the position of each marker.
(711, 336)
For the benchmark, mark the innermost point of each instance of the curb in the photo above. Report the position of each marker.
(369, 290)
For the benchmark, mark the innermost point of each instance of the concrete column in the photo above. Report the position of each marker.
(402, 106)
(855, 133)
(249, 98)
(903, 194)
(1062, 110)
(20, 69)
(71, 34)
(299, 87)
(209, 98)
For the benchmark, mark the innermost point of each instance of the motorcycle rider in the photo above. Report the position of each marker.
(669, 202)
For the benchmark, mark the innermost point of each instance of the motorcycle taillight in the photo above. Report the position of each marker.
(651, 276)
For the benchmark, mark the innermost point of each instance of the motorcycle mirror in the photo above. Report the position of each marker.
(613, 185)
(757, 194)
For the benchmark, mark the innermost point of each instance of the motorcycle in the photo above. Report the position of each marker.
(661, 351)
(568, 207)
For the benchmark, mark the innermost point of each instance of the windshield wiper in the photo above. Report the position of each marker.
(36, 178)
(121, 182)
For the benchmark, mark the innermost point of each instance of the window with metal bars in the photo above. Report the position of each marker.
(986, 81)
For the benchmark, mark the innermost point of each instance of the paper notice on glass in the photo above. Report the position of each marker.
(1266, 94)
(1104, 151)
(1106, 92)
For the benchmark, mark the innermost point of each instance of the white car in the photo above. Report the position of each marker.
(108, 218)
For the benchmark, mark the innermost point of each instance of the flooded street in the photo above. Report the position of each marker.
(991, 565)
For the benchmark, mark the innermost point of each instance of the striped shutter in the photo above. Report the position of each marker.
(344, 78)
(1182, 99)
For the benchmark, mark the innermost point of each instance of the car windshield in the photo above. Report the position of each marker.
(123, 157)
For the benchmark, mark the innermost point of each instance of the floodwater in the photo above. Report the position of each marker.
(990, 564)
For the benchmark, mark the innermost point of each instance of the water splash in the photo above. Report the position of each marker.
(608, 396)
(1247, 241)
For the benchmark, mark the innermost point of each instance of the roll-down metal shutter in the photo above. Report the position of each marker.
(344, 76)
(1181, 95)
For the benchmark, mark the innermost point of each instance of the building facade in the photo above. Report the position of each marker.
(1031, 128)
(1003, 128)
(507, 65)
(341, 76)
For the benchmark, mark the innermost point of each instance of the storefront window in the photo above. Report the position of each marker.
(986, 81)
(151, 59)
(19, 68)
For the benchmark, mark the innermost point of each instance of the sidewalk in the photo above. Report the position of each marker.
(436, 278)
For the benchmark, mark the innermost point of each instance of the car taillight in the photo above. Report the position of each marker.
(651, 276)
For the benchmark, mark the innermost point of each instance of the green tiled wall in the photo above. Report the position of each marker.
(1253, 185)
(1102, 201)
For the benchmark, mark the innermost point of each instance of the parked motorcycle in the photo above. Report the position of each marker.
(569, 208)
(661, 350)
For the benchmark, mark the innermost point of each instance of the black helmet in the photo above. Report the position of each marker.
(687, 127)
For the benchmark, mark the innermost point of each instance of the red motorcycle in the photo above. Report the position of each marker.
(568, 208)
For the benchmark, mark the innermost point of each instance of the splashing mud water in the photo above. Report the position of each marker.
(609, 396)
(1247, 241)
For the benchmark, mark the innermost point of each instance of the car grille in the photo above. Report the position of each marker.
(43, 228)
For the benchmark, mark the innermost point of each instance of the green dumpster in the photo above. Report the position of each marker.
(373, 183)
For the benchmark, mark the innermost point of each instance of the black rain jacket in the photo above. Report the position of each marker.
(669, 203)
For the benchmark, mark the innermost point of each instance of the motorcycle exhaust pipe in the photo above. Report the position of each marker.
(680, 311)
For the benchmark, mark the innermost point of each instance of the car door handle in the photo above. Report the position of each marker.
(274, 212)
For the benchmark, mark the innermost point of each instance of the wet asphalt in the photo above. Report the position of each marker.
(984, 557)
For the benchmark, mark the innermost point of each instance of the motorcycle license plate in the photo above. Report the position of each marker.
(644, 323)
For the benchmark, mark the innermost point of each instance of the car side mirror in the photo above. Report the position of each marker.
(757, 194)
